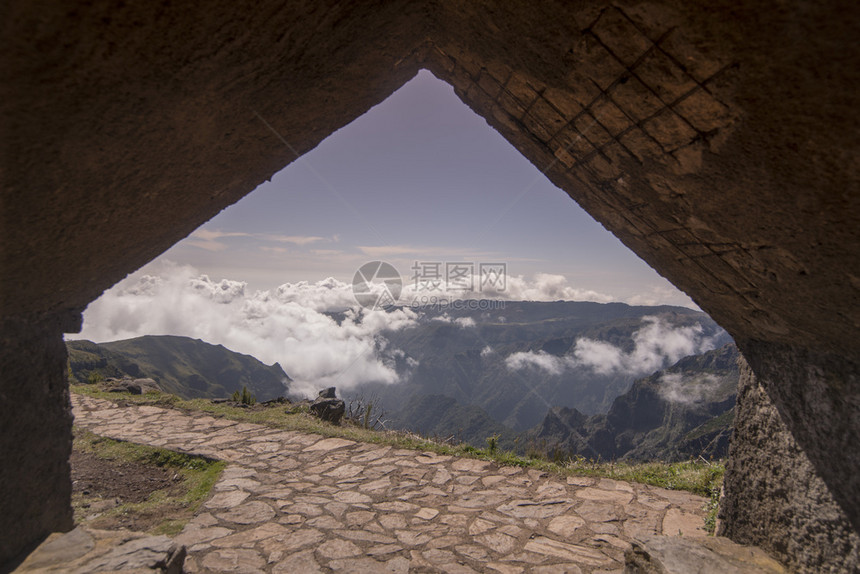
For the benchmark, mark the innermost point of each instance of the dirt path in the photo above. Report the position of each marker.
(296, 502)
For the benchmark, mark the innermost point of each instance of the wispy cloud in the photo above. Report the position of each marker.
(689, 389)
(540, 287)
(274, 249)
(212, 239)
(207, 245)
(462, 322)
(209, 239)
(212, 235)
(657, 344)
(296, 239)
(392, 250)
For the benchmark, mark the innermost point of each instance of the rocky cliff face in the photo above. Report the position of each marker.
(773, 497)
(474, 365)
(683, 411)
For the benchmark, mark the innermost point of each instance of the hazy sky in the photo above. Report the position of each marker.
(420, 177)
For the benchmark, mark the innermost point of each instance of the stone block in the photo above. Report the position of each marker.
(774, 498)
(680, 555)
(616, 31)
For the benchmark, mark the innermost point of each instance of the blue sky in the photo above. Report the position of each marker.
(420, 177)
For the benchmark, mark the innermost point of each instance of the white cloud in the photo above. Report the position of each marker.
(462, 322)
(296, 239)
(657, 344)
(465, 322)
(287, 325)
(678, 388)
(274, 249)
(207, 245)
(542, 360)
(538, 287)
(212, 234)
(662, 295)
(601, 357)
(546, 287)
(541, 287)
(209, 239)
(394, 250)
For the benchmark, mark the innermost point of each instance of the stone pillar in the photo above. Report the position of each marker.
(774, 498)
(35, 433)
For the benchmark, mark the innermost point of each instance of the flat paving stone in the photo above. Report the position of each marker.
(297, 502)
(248, 513)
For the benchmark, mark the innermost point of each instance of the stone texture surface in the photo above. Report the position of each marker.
(682, 555)
(85, 550)
(35, 435)
(328, 407)
(717, 140)
(314, 503)
(773, 497)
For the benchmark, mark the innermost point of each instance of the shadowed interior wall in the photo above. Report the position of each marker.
(794, 516)
(718, 141)
(35, 434)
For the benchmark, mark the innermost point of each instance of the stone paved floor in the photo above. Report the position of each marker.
(297, 502)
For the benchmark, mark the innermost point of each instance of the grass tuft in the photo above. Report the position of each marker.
(198, 476)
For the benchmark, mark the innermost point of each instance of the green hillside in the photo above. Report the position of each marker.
(442, 417)
(182, 366)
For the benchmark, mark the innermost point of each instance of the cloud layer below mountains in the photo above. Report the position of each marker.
(656, 344)
(287, 325)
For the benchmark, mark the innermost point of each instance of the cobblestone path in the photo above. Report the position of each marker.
(297, 502)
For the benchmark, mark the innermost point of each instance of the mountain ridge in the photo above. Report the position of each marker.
(684, 410)
(189, 368)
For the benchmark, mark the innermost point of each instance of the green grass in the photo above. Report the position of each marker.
(198, 476)
(724, 420)
(697, 476)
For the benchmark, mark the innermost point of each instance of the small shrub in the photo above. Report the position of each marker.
(95, 377)
(245, 397)
(492, 443)
(365, 412)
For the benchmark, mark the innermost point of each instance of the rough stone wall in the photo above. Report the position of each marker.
(661, 122)
(773, 497)
(157, 115)
(717, 140)
(35, 434)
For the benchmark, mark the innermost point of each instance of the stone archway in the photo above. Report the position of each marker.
(718, 142)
